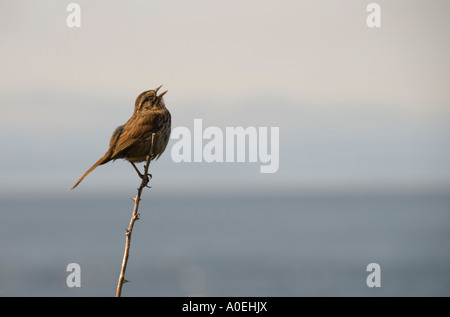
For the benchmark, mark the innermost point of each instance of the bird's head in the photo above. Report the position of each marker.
(150, 99)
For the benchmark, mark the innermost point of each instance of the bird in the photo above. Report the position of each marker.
(132, 141)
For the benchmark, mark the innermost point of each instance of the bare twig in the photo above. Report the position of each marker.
(134, 217)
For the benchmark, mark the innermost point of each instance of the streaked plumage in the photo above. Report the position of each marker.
(132, 141)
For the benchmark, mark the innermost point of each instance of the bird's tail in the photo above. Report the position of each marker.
(106, 158)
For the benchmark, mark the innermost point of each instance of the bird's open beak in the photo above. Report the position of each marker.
(156, 91)
(162, 94)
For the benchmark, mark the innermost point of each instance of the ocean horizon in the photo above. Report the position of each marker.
(292, 245)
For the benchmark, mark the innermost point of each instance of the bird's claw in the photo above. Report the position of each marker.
(146, 180)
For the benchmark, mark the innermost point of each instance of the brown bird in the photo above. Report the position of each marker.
(133, 140)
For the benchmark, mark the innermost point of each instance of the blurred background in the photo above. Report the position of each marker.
(364, 170)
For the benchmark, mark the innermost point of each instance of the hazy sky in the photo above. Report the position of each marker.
(355, 105)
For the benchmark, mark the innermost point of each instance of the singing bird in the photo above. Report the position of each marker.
(133, 140)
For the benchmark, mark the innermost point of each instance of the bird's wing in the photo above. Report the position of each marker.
(116, 136)
(127, 137)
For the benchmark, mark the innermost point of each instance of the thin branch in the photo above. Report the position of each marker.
(134, 217)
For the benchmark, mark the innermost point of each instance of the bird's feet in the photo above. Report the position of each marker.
(145, 178)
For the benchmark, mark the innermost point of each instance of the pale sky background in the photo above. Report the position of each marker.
(358, 107)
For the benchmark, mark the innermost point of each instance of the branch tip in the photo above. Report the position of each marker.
(145, 179)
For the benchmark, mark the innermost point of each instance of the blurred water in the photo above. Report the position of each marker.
(230, 246)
